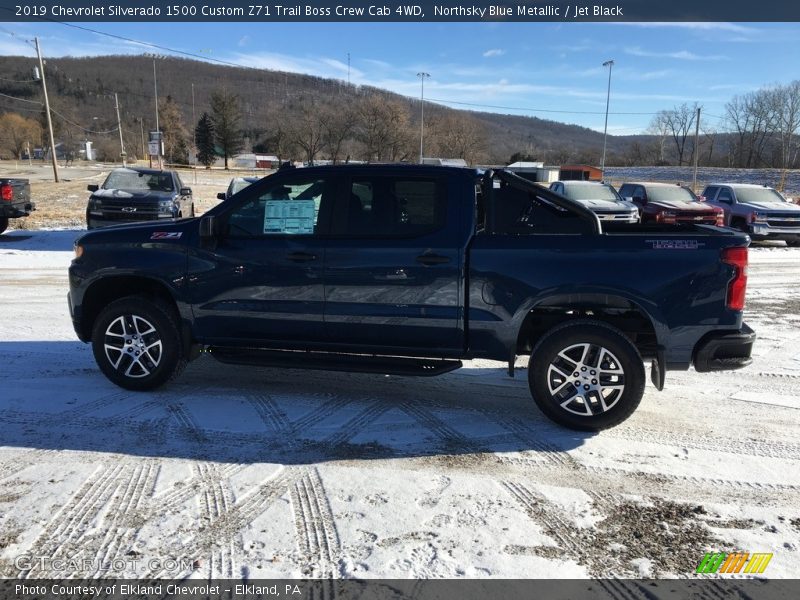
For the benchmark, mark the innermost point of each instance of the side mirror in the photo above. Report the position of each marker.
(208, 227)
(220, 195)
(627, 198)
(92, 187)
(186, 191)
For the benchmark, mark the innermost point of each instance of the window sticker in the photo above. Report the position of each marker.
(289, 216)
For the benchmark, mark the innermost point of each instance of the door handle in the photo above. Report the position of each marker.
(301, 256)
(432, 259)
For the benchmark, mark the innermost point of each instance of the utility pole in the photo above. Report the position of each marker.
(119, 128)
(47, 111)
(141, 130)
(194, 137)
(348, 68)
(696, 149)
(422, 75)
(610, 65)
(155, 90)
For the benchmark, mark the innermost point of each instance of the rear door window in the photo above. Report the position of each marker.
(391, 207)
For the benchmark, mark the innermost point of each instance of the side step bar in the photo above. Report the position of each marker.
(333, 361)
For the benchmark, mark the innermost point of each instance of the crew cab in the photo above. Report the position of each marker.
(137, 194)
(758, 210)
(408, 270)
(669, 203)
(15, 200)
(599, 197)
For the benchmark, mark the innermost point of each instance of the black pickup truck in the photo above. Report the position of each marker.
(15, 200)
(406, 269)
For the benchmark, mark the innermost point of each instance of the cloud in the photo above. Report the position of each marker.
(730, 27)
(243, 41)
(494, 52)
(321, 66)
(679, 55)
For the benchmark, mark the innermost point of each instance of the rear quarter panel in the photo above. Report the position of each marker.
(679, 281)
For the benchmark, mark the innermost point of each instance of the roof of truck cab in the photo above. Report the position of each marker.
(384, 166)
(654, 184)
(741, 185)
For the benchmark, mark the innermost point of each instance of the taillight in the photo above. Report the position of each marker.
(6, 192)
(737, 257)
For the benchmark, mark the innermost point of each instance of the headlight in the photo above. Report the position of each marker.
(78, 249)
(165, 206)
(95, 203)
(758, 218)
(669, 214)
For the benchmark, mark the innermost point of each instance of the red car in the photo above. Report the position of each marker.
(670, 203)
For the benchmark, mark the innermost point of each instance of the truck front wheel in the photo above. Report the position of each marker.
(586, 375)
(136, 343)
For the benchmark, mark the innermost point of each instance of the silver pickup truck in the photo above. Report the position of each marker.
(758, 210)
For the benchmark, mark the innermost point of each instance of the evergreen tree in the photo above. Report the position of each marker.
(227, 116)
(205, 136)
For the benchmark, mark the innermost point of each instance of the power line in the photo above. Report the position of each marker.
(544, 110)
(21, 99)
(18, 80)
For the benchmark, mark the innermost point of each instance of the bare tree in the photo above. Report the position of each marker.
(678, 122)
(16, 132)
(306, 129)
(383, 129)
(338, 125)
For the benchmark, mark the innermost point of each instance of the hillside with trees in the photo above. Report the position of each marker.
(301, 117)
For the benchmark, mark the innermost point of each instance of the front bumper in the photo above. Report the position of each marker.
(724, 350)
(765, 231)
(94, 221)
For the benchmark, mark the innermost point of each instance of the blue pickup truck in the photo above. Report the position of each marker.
(408, 270)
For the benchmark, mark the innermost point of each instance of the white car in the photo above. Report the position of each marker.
(601, 198)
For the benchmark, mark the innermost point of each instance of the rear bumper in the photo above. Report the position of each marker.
(14, 211)
(724, 350)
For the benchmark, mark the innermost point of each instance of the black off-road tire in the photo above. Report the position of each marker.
(620, 358)
(790, 243)
(126, 324)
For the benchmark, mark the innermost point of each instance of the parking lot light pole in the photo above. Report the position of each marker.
(609, 64)
(422, 75)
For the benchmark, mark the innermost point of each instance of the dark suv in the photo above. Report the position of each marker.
(133, 194)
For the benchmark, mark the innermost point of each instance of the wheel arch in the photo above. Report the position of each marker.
(625, 313)
(108, 289)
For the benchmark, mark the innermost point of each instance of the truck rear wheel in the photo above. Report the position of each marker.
(586, 375)
(3, 224)
(137, 344)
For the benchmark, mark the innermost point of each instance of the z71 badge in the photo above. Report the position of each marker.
(166, 235)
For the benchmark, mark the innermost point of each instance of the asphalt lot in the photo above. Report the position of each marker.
(260, 473)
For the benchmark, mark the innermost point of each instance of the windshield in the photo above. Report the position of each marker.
(240, 184)
(136, 181)
(590, 192)
(758, 195)
(670, 194)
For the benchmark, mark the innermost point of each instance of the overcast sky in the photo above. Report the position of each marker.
(486, 66)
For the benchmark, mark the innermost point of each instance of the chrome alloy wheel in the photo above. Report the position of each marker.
(586, 379)
(132, 346)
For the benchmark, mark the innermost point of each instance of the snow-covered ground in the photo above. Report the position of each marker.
(260, 473)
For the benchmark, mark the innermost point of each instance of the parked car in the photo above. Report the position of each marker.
(758, 210)
(669, 203)
(15, 200)
(137, 194)
(236, 185)
(601, 198)
(407, 270)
